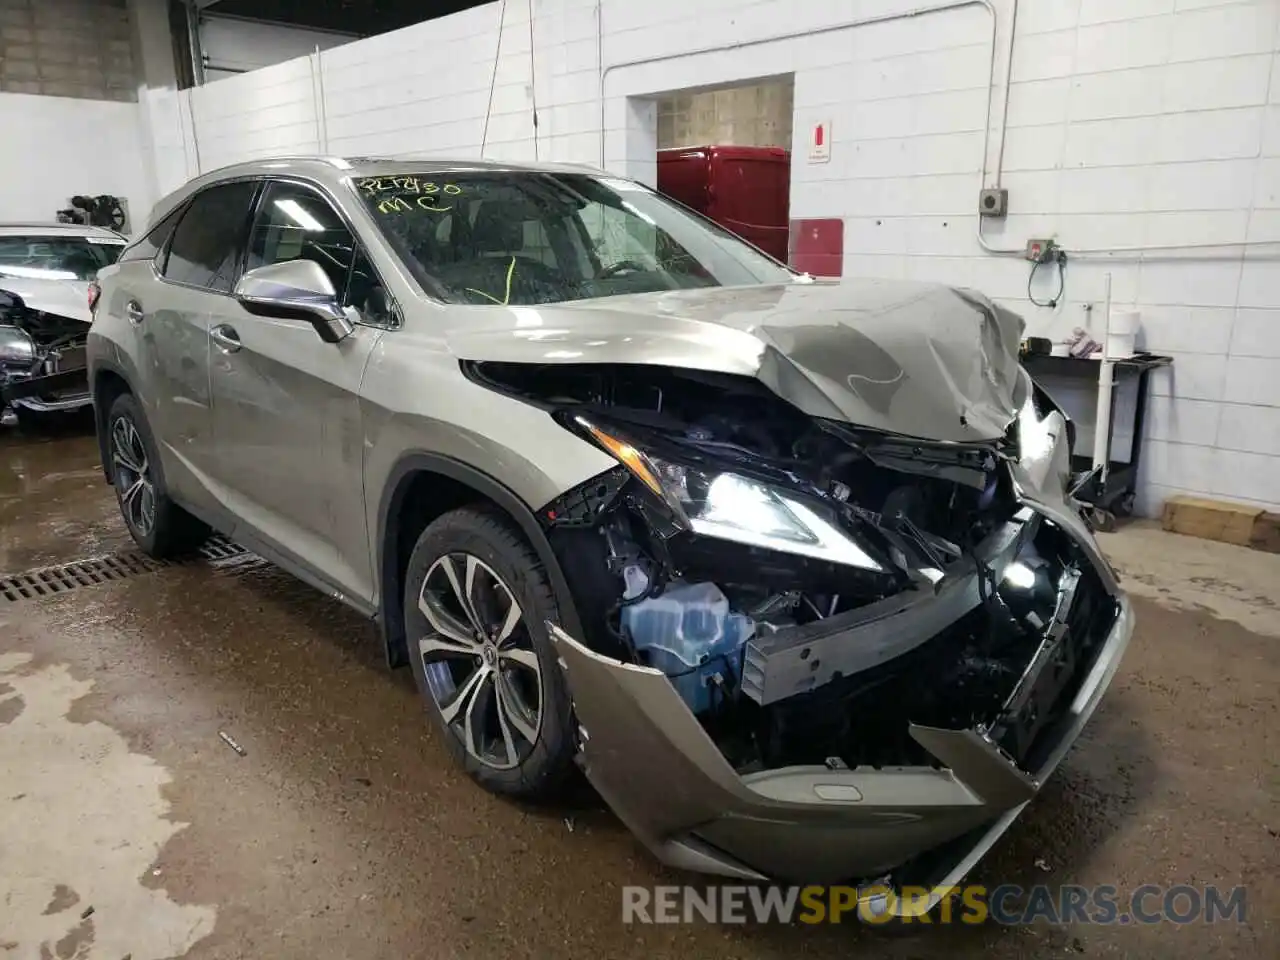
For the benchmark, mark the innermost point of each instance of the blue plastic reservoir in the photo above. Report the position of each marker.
(690, 634)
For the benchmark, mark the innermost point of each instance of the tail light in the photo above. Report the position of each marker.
(95, 292)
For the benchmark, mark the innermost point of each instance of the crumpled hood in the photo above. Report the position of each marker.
(66, 298)
(915, 359)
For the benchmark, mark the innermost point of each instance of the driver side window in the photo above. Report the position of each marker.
(296, 223)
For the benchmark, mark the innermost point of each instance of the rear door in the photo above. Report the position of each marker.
(286, 408)
(170, 307)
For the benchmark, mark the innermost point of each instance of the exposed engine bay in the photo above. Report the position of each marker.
(42, 357)
(808, 587)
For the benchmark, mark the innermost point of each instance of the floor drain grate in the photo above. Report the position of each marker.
(220, 548)
(49, 581)
(77, 573)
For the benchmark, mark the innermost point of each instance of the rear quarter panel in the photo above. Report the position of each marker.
(112, 343)
(163, 360)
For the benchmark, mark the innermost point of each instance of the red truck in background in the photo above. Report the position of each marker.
(746, 190)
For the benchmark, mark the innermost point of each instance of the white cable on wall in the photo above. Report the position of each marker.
(493, 79)
(533, 82)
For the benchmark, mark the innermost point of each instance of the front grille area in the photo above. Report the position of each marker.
(974, 674)
(1093, 614)
(70, 358)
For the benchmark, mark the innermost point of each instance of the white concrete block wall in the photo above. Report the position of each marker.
(271, 111)
(67, 147)
(1130, 123)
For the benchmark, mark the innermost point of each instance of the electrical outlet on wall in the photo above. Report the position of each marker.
(1038, 249)
(993, 202)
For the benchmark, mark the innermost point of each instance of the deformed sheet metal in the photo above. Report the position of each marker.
(913, 359)
(799, 659)
(653, 763)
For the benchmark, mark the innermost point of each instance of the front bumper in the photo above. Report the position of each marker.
(46, 393)
(658, 769)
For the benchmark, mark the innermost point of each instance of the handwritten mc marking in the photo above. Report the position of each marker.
(372, 186)
(400, 204)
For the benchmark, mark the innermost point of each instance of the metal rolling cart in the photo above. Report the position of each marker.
(1107, 487)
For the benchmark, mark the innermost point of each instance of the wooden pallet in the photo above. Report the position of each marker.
(1222, 520)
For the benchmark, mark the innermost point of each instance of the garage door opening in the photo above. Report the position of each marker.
(726, 152)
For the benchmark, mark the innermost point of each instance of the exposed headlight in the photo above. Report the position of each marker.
(732, 507)
(16, 346)
(1045, 436)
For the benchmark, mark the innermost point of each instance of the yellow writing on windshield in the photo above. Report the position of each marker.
(401, 205)
(394, 194)
(506, 297)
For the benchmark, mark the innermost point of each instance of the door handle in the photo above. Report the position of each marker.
(133, 310)
(226, 338)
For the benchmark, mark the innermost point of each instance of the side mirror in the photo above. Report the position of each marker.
(295, 290)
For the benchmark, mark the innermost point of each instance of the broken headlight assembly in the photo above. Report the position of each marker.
(16, 346)
(714, 502)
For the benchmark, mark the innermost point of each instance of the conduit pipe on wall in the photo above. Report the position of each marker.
(997, 172)
(195, 132)
(321, 108)
(1117, 253)
(1004, 121)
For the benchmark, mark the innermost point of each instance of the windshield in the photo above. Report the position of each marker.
(526, 238)
(56, 258)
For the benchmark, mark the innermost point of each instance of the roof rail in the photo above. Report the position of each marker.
(339, 162)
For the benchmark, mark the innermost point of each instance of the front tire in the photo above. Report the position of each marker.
(476, 600)
(39, 423)
(34, 421)
(159, 527)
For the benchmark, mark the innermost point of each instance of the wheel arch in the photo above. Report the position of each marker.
(109, 382)
(421, 487)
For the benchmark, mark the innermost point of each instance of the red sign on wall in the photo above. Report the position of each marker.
(817, 246)
(820, 142)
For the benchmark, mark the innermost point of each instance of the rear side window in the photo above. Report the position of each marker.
(153, 242)
(207, 241)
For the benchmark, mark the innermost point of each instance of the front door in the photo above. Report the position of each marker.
(286, 408)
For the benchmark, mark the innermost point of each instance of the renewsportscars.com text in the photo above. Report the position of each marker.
(1008, 904)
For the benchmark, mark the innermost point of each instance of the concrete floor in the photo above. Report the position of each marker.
(344, 831)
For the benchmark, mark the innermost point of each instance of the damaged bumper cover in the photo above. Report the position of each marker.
(47, 393)
(660, 771)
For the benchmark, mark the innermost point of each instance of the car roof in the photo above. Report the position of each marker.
(333, 171)
(55, 229)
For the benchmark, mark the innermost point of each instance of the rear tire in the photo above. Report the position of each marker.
(159, 527)
(476, 600)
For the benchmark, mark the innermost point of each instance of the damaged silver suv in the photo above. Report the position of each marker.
(787, 567)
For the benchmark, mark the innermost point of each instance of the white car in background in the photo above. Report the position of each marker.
(45, 271)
